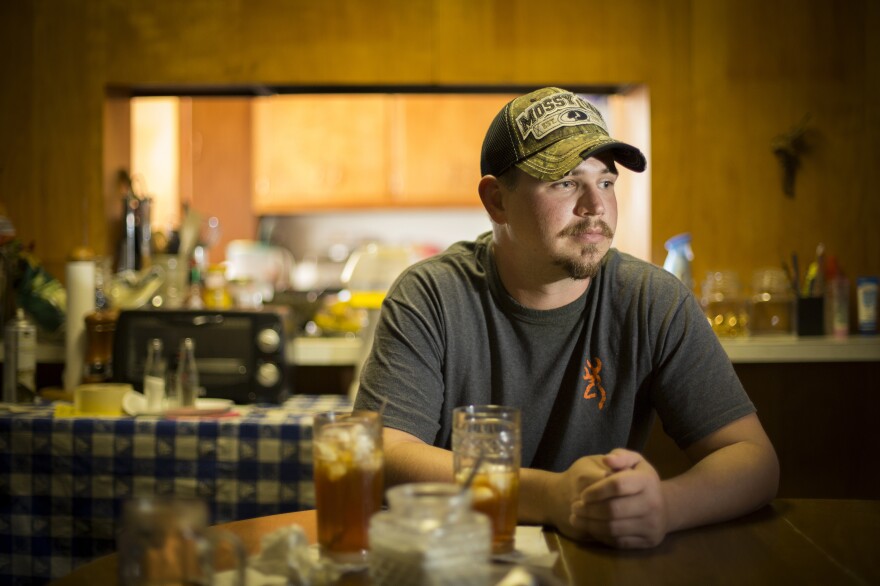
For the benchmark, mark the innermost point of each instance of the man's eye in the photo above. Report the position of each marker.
(565, 184)
(606, 184)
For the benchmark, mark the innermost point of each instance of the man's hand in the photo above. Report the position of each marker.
(565, 489)
(626, 508)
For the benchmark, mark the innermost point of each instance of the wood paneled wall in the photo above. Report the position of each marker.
(725, 77)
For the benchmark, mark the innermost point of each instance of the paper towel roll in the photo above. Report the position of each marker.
(80, 302)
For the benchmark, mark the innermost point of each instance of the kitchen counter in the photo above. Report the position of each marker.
(803, 349)
(326, 351)
(339, 351)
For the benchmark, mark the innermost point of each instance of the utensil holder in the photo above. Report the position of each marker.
(811, 316)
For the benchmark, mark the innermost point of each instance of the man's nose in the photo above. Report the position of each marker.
(590, 203)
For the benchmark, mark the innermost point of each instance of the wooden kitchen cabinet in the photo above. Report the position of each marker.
(328, 152)
(436, 161)
(319, 152)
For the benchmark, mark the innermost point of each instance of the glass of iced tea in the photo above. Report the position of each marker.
(348, 466)
(487, 437)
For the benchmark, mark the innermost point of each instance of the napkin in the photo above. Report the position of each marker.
(285, 558)
(531, 549)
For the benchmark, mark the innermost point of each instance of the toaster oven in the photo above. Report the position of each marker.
(240, 355)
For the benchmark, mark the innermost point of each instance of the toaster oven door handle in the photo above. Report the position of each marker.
(201, 320)
(204, 320)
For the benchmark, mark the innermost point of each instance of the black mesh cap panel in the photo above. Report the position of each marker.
(498, 153)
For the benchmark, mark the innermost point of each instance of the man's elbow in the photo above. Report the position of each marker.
(769, 472)
(409, 459)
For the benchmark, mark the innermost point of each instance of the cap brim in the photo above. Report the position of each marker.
(552, 163)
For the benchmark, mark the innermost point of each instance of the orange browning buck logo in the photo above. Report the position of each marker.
(594, 381)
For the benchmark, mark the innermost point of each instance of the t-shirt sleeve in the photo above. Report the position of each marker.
(694, 388)
(405, 362)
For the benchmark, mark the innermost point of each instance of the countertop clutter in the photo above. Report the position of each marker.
(345, 351)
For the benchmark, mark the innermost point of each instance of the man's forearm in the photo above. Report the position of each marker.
(729, 482)
(415, 461)
(536, 496)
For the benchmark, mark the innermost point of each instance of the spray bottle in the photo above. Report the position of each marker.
(20, 360)
(678, 260)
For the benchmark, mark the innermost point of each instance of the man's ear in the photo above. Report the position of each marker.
(492, 195)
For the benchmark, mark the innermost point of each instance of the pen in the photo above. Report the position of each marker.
(810, 279)
(818, 287)
(792, 282)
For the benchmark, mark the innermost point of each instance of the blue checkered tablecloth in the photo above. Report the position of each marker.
(63, 480)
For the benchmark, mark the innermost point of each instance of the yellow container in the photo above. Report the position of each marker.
(99, 398)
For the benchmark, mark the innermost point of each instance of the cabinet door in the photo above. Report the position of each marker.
(436, 147)
(320, 151)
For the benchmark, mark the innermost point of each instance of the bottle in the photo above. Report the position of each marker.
(194, 296)
(187, 374)
(836, 291)
(154, 376)
(20, 360)
(100, 329)
(678, 260)
(866, 303)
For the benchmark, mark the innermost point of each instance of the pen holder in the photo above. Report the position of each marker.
(811, 316)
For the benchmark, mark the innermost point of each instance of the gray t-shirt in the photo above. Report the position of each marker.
(588, 376)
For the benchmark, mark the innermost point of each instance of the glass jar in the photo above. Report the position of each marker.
(216, 293)
(430, 536)
(724, 304)
(100, 329)
(772, 304)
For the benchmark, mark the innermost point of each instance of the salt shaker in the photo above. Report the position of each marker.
(430, 536)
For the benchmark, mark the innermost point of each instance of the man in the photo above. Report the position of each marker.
(589, 342)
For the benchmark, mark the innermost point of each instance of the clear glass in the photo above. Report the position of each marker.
(772, 303)
(487, 438)
(166, 540)
(725, 304)
(349, 480)
(429, 536)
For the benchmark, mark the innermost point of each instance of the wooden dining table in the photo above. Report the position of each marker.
(790, 541)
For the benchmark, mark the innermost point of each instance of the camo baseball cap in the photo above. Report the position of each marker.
(547, 133)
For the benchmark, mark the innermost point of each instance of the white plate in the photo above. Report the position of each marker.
(214, 404)
(135, 403)
(202, 408)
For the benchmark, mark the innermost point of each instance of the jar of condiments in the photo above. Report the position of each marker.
(100, 329)
(216, 293)
(724, 304)
(430, 536)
